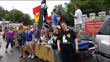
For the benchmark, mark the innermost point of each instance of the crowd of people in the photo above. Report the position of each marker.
(63, 40)
(24, 36)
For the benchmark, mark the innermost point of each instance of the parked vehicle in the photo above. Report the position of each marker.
(102, 47)
(8, 24)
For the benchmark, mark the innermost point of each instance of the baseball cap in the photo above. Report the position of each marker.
(58, 27)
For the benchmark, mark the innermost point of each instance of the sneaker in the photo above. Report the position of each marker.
(32, 56)
(29, 56)
(11, 50)
(5, 51)
(1, 56)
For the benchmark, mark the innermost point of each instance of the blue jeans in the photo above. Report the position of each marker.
(57, 55)
(11, 41)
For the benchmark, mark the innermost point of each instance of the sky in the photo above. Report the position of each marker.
(27, 6)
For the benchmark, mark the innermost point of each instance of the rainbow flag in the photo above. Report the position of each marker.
(55, 38)
(68, 35)
(36, 12)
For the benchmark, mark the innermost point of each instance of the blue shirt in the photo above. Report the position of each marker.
(29, 36)
(54, 19)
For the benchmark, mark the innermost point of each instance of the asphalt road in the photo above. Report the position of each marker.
(14, 56)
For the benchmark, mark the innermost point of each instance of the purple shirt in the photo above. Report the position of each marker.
(10, 35)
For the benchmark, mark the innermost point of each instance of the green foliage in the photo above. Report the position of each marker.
(14, 15)
(18, 16)
(29, 21)
(61, 9)
(3, 12)
(87, 6)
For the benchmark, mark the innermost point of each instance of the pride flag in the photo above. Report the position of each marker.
(36, 12)
(55, 38)
(68, 35)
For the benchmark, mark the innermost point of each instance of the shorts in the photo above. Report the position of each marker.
(29, 42)
(77, 27)
(21, 42)
(46, 27)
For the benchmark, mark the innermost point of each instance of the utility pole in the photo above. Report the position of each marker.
(13, 14)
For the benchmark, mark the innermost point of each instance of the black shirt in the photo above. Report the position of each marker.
(45, 21)
(65, 44)
(54, 39)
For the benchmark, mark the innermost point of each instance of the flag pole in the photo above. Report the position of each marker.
(93, 33)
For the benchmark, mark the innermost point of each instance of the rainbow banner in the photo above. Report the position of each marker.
(36, 12)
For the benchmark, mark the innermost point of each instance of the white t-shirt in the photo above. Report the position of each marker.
(78, 14)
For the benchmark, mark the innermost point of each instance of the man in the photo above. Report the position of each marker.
(55, 19)
(78, 21)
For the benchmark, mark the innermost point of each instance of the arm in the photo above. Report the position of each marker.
(5, 36)
(14, 35)
(15, 28)
(58, 45)
(73, 15)
(32, 38)
(58, 19)
(46, 24)
(76, 43)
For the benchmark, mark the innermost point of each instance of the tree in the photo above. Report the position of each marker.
(23, 20)
(26, 20)
(61, 9)
(14, 15)
(87, 6)
(27, 16)
(3, 12)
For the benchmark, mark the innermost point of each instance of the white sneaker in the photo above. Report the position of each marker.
(32, 56)
(29, 56)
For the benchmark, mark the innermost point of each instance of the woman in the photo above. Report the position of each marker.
(9, 36)
(5, 32)
(21, 40)
(30, 42)
(67, 43)
(1, 38)
(56, 53)
(47, 26)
